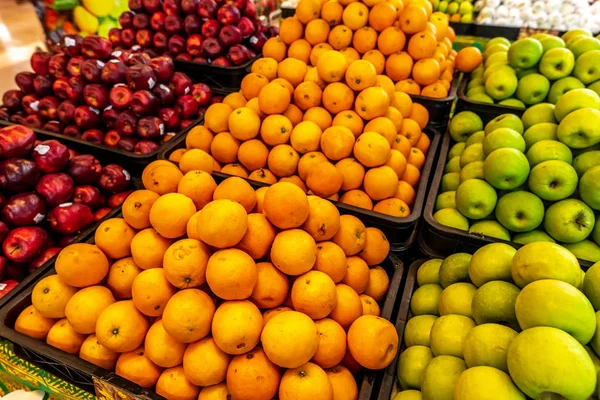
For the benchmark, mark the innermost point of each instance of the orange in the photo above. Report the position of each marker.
(283, 160)
(161, 348)
(85, 306)
(416, 158)
(148, 248)
(294, 252)
(312, 75)
(259, 236)
(350, 54)
(338, 97)
(285, 84)
(355, 16)
(435, 90)
(391, 40)
(360, 75)
(64, 337)
(235, 169)
(231, 274)
(300, 50)
(253, 105)
(252, 376)
(337, 142)
(351, 364)
(353, 173)
(291, 70)
(386, 84)
(92, 351)
(120, 277)
(296, 180)
(372, 102)
(357, 275)
(394, 207)
(370, 306)
(307, 161)
(236, 326)
(412, 131)
(402, 102)
(269, 314)
(379, 282)
(253, 154)
(224, 148)
(351, 236)
(398, 66)
(382, 16)
(373, 341)
(81, 265)
(307, 10)
(199, 137)
(252, 84)
(196, 159)
(331, 260)
(276, 129)
(236, 99)
(214, 392)
(313, 294)
(376, 58)
(357, 198)
(204, 363)
(420, 114)
(343, 383)
(307, 95)
(468, 59)
(271, 287)
(244, 124)
(332, 66)
(402, 144)
(221, 224)
(376, 248)
(397, 162)
(170, 213)
(185, 262)
(396, 117)
(423, 143)
(216, 117)
(238, 190)
(136, 208)
(305, 382)
(151, 291)
(260, 196)
(51, 295)
(348, 308)
(121, 327)
(408, 86)
(161, 177)
(265, 66)
(381, 182)
(188, 315)
(290, 339)
(316, 32)
(323, 219)
(138, 368)
(32, 323)
(332, 343)
(406, 193)
(285, 205)
(413, 19)
(426, 71)
(173, 384)
(323, 47)
(350, 120)
(319, 116)
(274, 98)
(371, 149)
(305, 137)
(293, 112)
(384, 126)
(364, 39)
(422, 45)
(293, 31)
(331, 12)
(275, 48)
(324, 179)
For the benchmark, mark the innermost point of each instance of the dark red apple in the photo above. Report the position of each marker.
(18, 117)
(114, 178)
(189, 6)
(96, 47)
(15, 141)
(86, 117)
(250, 9)
(66, 112)
(109, 117)
(39, 62)
(173, 24)
(128, 37)
(93, 136)
(201, 93)
(53, 126)
(117, 199)
(24, 244)
(238, 54)
(113, 72)
(272, 31)
(114, 35)
(61, 88)
(157, 21)
(126, 19)
(187, 106)
(127, 144)
(207, 9)
(171, 7)
(239, 4)
(120, 97)
(89, 195)
(48, 107)
(101, 213)
(144, 102)
(95, 95)
(183, 57)
(246, 27)
(136, 5)
(127, 123)
(24, 81)
(143, 38)
(230, 35)
(163, 68)
(11, 99)
(192, 24)
(24, 209)
(50, 156)
(75, 91)
(70, 218)
(257, 41)
(180, 83)
(91, 70)
(200, 60)
(141, 21)
(221, 62)
(212, 48)
(160, 41)
(42, 85)
(145, 147)
(170, 117)
(141, 77)
(112, 138)
(217, 99)
(72, 131)
(31, 103)
(55, 188)
(176, 44)
(193, 45)
(74, 65)
(43, 258)
(84, 169)
(210, 28)
(57, 65)
(33, 121)
(150, 128)
(228, 14)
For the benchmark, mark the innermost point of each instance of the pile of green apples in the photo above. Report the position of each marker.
(503, 324)
(458, 10)
(536, 69)
(530, 178)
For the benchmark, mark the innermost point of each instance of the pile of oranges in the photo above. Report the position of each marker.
(206, 291)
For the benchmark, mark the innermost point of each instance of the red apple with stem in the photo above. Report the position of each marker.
(24, 244)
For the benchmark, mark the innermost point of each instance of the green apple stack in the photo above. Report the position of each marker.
(536, 69)
(503, 324)
(458, 10)
(530, 178)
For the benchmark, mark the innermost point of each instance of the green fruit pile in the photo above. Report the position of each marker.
(536, 69)
(458, 10)
(535, 178)
(503, 324)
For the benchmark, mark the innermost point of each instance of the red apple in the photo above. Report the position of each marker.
(216, 99)
(189, 6)
(212, 48)
(187, 106)
(127, 144)
(200, 60)
(48, 107)
(211, 28)
(126, 19)
(96, 47)
(170, 117)
(128, 37)
(57, 65)
(84, 169)
(160, 41)
(114, 35)
(120, 97)
(163, 67)
(112, 138)
(74, 65)
(117, 199)
(157, 21)
(230, 35)
(141, 21)
(239, 4)
(144, 102)
(39, 62)
(150, 128)
(66, 112)
(127, 123)
(24, 244)
(31, 103)
(95, 95)
(24, 209)
(246, 27)
(192, 24)
(90, 196)
(272, 31)
(201, 93)
(171, 7)
(86, 117)
(61, 88)
(143, 38)
(257, 41)
(33, 121)
(70, 218)
(176, 44)
(250, 9)
(53, 126)
(114, 178)
(182, 125)
(72, 131)
(113, 72)
(101, 213)
(43, 85)
(55, 188)
(93, 136)
(24, 81)
(109, 117)
(50, 156)
(141, 77)
(11, 99)
(43, 258)
(183, 57)
(173, 24)
(228, 14)
(207, 9)
(15, 141)
(75, 91)
(221, 62)
(194, 45)
(91, 70)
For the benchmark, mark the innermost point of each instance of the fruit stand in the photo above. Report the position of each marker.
(356, 204)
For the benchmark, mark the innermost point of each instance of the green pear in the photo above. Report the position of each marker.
(584, 250)
(448, 334)
(463, 125)
(440, 378)
(429, 272)
(452, 218)
(411, 365)
(543, 112)
(455, 268)
(544, 360)
(495, 302)
(488, 344)
(492, 262)
(456, 299)
(591, 285)
(532, 237)
(505, 121)
(490, 228)
(425, 300)
(418, 330)
(486, 383)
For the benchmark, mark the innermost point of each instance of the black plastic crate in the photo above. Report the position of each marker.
(463, 29)
(492, 31)
(437, 240)
(439, 109)
(287, 12)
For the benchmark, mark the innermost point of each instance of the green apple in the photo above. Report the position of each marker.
(580, 129)
(562, 86)
(452, 8)
(539, 132)
(408, 394)
(551, 42)
(539, 36)
(464, 124)
(585, 250)
(589, 187)
(475, 82)
(591, 285)
(466, 18)
(525, 53)
(501, 85)
(511, 121)
(448, 334)
(429, 272)
(474, 91)
(440, 377)
(496, 58)
(457, 149)
(475, 198)
(596, 233)
(555, 303)
(450, 181)
(545, 260)
(533, 89)
(543, 112)
(480, 382)
(488, 345)
(553, 180)
(585, 161)
(520, 211)
(418, 330)
(472, 170)
(545, 360)
(557, 63)
(456, 299)
(491, 229)
(524, 72)
(506, 169)
(453, 218)
(532, 237)
(496, 48)
(445, 200)
(569, 221)
(465, 8)
(583, 44)
(411, 365)
(425, 299)
(472, 153)
(595, 343)
(455, 268)
(478, 72)
(512, 102)
(481, 98)
(491, 262)
(575, 32)
(587, 67)
(453, 165)
(546, 150)
(495, 302)
(498, 40)
(503, 138)
(574, 100)
(595, 87)
(507, 69)
(443, 7)
(477, 137)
